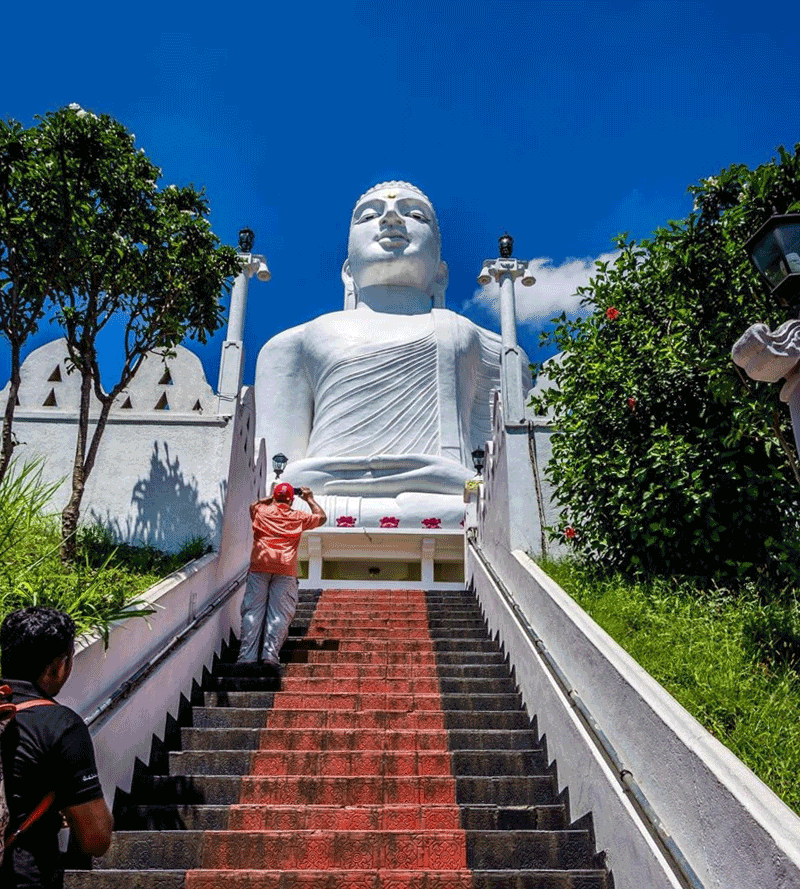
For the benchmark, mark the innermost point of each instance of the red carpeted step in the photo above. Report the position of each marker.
(297, 684)
(335, 850)
(353, 777)
(348, 719)
(387, 701)
(344, 879)
(383, 817)
(346, 762)
(349, 739)
(350, 790)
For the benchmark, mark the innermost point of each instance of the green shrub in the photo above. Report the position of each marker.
(667, 459)
(102, 586)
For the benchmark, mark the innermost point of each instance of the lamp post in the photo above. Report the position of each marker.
(232, 363)
(769, 355)
(478, 460)
(279, 462)
(505, 270)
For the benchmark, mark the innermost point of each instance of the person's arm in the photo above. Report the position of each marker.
(265, 500)
(316, 509)
(92, 825)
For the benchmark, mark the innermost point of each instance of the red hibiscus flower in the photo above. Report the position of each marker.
(632, 404)
(569, 532)
(612, 314)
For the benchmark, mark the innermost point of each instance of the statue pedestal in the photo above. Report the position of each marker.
(372, 558)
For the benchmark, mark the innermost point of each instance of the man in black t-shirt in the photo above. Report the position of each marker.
(46, 748)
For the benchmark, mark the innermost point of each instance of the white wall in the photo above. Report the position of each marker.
(126, 732)
(161, 472)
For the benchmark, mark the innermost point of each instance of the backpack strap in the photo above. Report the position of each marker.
(7, 709)
(49, 798)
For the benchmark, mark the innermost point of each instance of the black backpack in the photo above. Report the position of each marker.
(7, 712)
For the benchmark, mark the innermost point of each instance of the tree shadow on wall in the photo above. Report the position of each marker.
(168, 509)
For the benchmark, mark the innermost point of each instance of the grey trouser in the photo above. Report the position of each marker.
(268, 606)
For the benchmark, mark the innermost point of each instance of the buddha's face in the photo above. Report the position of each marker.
(394, 241)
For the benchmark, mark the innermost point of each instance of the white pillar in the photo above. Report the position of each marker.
(426, 565)
(513, 402)
(231, 365)
(505, 272)
(238, 306)
(314, 559)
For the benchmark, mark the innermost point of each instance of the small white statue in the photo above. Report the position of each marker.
(378, 407)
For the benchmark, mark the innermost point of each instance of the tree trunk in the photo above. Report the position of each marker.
(8, 443)
(88, 456)
(72, 511)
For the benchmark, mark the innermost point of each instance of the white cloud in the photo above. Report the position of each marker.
(552, 294)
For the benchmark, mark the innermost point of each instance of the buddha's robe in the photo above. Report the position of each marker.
(379, 411)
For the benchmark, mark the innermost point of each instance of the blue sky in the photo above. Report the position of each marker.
(563, 122)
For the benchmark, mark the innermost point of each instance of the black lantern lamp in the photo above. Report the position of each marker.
(279, 462)
(775, 252)
(478, 459)
(247, 238)
(506, 245)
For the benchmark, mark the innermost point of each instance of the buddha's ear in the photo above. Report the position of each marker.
(349, 286)
(442, 275)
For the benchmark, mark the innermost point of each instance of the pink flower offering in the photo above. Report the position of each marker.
(632, 404)
(389, 521)
(432, 523)
(612, 314)
(345, 521)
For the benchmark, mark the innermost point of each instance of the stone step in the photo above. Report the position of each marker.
(261, 817)
(248, 717)
(446, 618)
(455, 720)
(377, 671)
(356, 701)
(530, 790)
(348, 739)
(419, 685)
(312, 739)
(331, 879)
(310, 763)
(357, 763)
(365, 850)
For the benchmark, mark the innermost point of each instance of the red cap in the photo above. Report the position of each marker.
(283, 493)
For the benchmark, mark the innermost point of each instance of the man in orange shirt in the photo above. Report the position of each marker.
(270, 599)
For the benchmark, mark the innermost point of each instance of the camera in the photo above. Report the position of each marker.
(297, 492)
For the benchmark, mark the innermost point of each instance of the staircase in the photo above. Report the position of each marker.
(397, 754)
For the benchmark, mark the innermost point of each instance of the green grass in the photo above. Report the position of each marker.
(106, 581)
(731, 657)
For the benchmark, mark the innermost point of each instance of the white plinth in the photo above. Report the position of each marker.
(341, 558)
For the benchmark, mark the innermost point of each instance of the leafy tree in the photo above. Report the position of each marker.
(31, 243)
(668, 460)
(128, 251)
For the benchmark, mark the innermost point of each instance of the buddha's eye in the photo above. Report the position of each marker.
(366, 215)
(418, 214)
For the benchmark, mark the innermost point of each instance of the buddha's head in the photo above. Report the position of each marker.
(394, 242)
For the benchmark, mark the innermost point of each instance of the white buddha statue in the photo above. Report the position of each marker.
(378, 407)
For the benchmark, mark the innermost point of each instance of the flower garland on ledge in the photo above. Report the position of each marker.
(388, 521)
